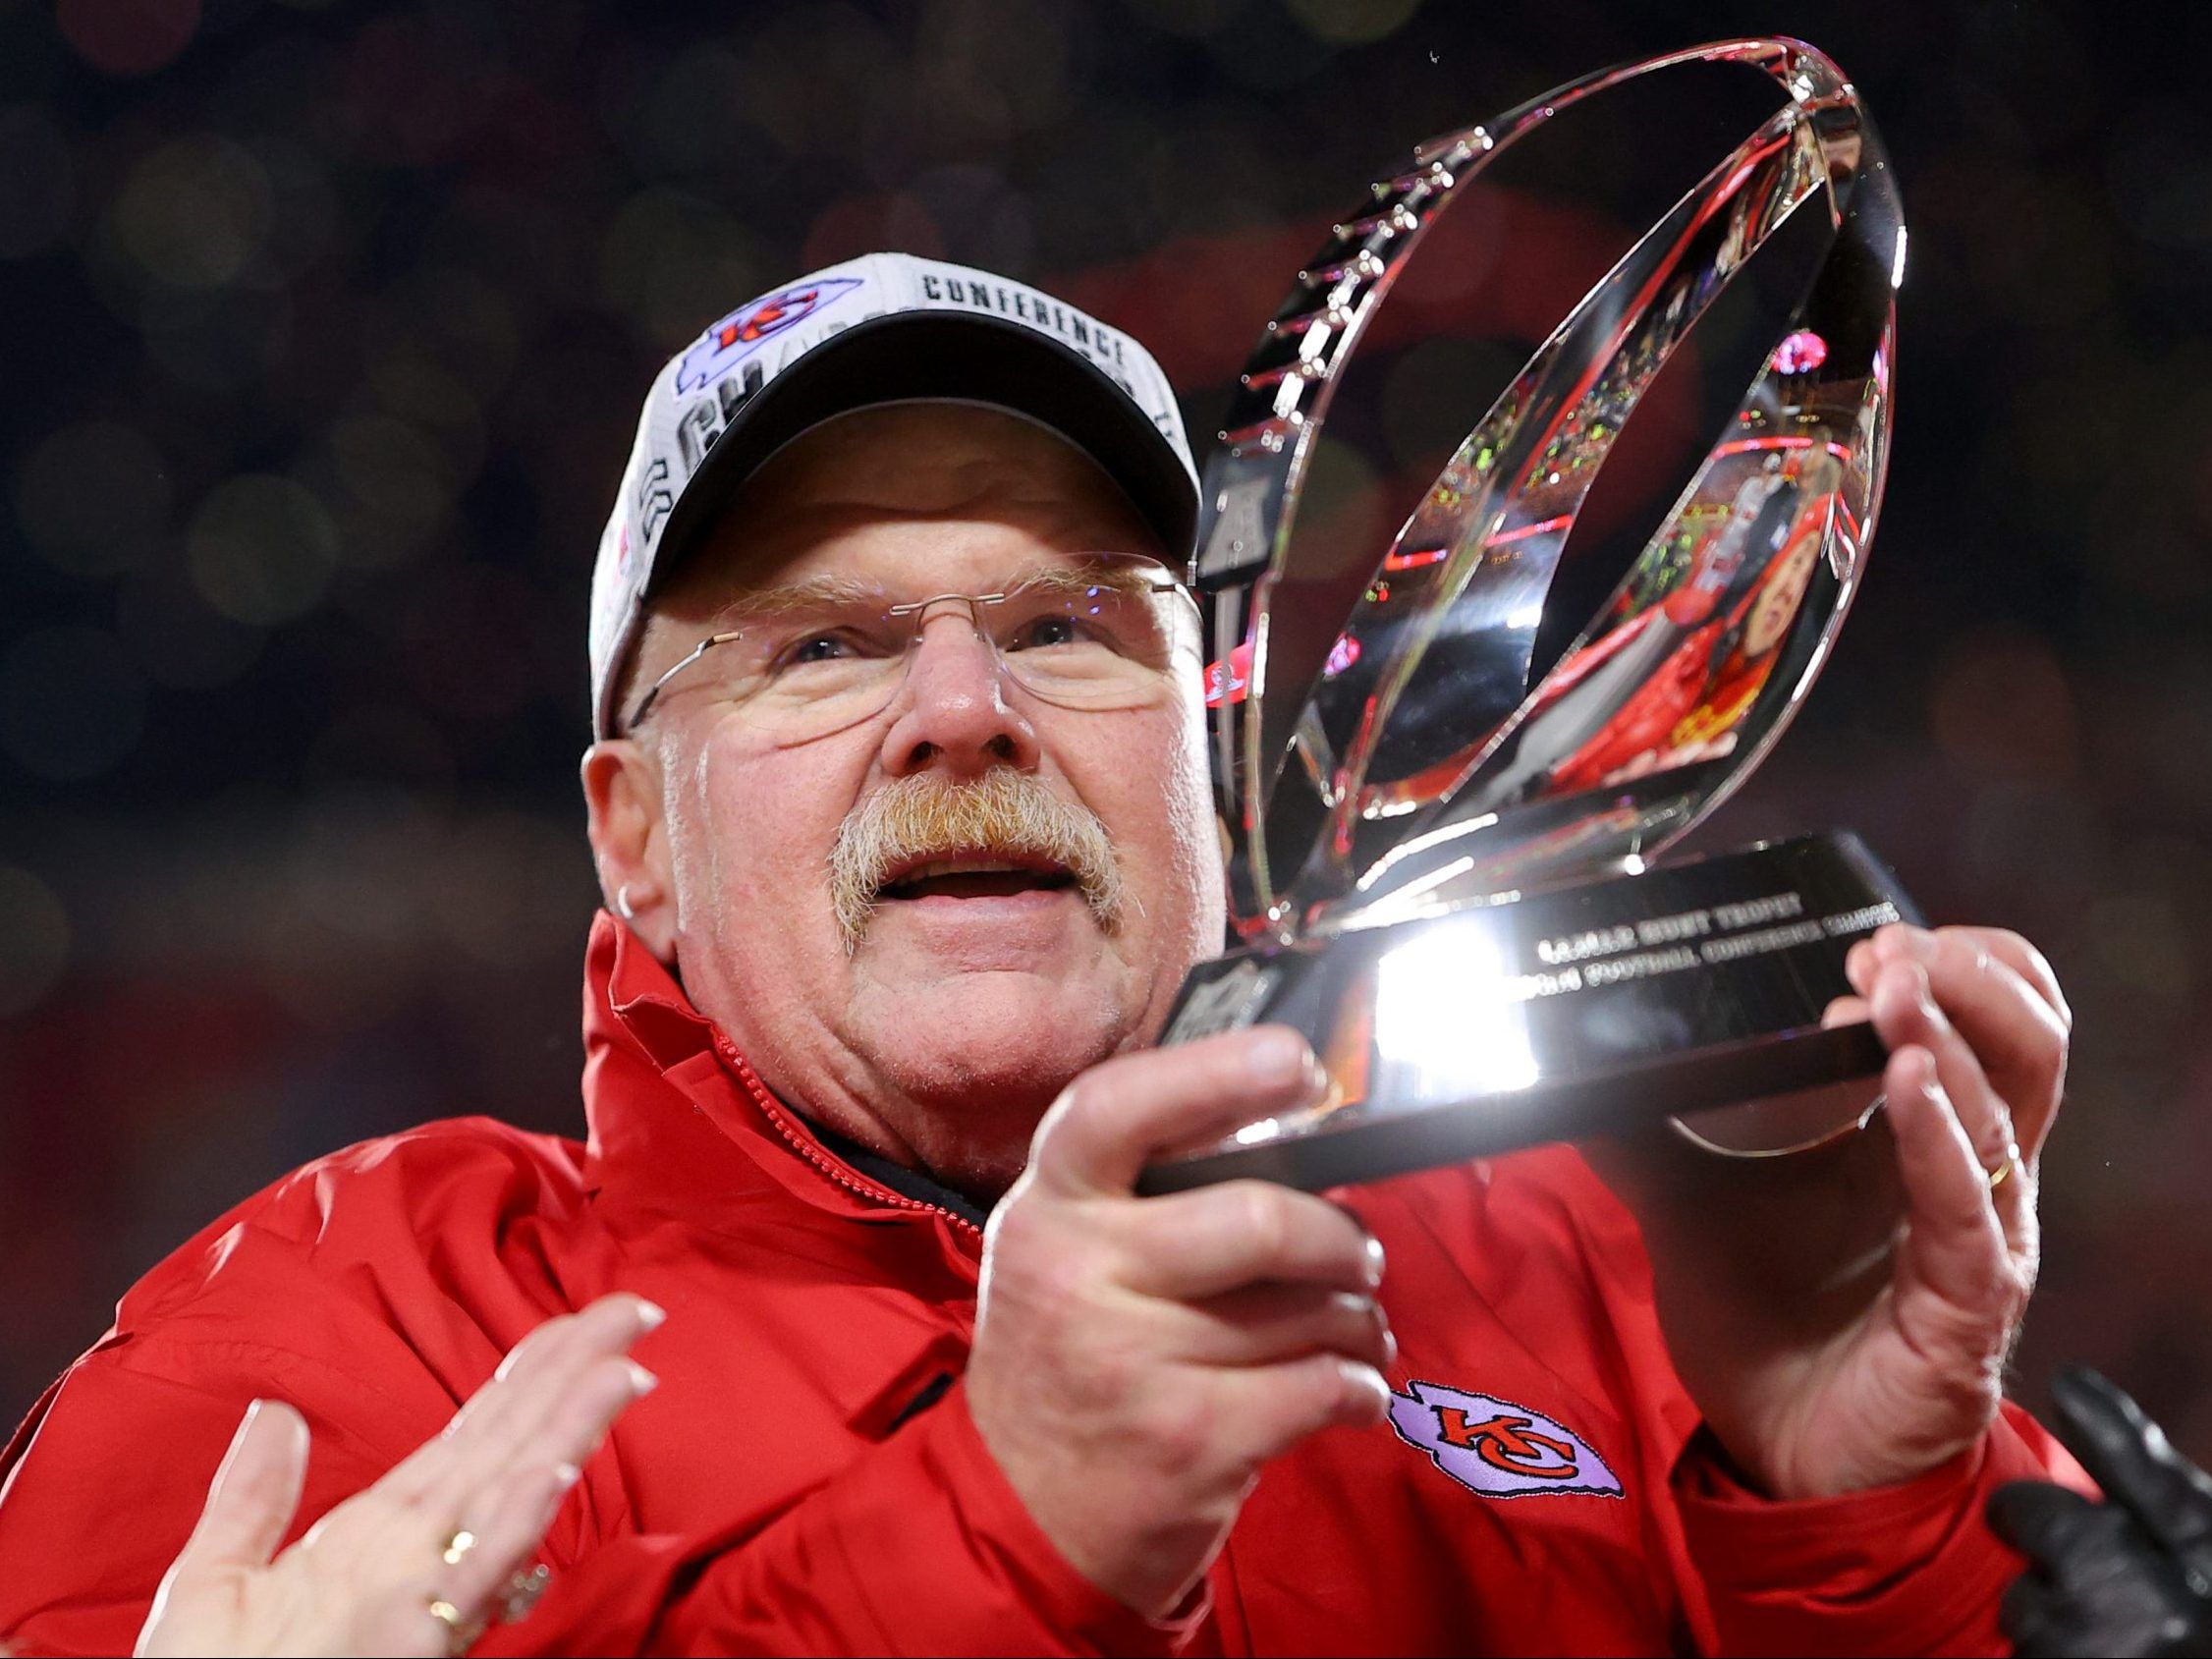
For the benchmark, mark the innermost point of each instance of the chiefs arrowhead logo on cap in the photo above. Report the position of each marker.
(729, 342)
(1496, 1448)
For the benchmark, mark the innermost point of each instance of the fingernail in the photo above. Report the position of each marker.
(565, 1476)
(1923, 986)
(1858, 967)
(650, 1314)
(1375, 1263)
(1902, 971)
(1390, 1347)
(1920, 1071)
(1277, 1055)
(1916, 943)
(641, 1381)
(1365, 1384)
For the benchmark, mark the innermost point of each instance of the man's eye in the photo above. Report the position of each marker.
(1046, 630)
(812, 648)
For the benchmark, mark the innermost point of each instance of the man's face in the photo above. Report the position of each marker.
(940, 1025)
(1780, 595)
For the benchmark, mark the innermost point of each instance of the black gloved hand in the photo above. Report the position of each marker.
(2129, 1575)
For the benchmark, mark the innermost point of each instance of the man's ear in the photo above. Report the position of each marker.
(622, 796)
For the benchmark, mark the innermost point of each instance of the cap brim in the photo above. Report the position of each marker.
(911, 356)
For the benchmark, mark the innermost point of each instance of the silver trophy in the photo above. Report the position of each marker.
(1447, 866)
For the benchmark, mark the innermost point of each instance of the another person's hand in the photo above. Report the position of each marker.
(414, 1563)
(1137, 1360)
(2129, 1576)
(1842, 1317)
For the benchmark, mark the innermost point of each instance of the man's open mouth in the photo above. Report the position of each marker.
(975, 879)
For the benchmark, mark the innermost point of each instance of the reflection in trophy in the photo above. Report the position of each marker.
(1446, 851)
(1650, 693)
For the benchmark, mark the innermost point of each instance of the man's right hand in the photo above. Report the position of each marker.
(388, 1571)
(1137, 1359)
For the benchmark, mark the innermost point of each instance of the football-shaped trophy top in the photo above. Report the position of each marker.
(1386, 746)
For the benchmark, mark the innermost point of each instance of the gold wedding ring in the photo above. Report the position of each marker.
(1999, 1174)
(460, 1634)
(457, 1547)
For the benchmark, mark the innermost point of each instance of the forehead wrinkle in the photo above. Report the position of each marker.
(871, 460)
(801, 521)
(983, 466)
(719, 588)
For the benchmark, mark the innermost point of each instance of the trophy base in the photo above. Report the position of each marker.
(1561, 1014)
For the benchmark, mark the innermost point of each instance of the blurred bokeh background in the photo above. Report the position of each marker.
(322, 328)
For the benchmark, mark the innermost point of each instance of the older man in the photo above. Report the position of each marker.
(899, 798)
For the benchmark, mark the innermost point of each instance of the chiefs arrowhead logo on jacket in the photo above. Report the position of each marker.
(1496, 1448)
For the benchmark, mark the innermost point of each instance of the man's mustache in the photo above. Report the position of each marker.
(1005, 814)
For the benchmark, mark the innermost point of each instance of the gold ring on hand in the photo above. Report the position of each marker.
(2002, 1172)
(460, 1633)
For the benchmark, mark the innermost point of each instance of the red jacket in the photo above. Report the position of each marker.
(804, 1479)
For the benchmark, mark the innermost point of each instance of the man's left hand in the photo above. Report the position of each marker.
(1842, 1317)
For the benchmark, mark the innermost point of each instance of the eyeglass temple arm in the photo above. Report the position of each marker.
(652, 691)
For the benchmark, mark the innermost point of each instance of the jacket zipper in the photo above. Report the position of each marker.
(805, 1146)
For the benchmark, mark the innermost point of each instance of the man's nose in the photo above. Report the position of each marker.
(952, 710)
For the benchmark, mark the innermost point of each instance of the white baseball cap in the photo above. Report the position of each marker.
(883, 328)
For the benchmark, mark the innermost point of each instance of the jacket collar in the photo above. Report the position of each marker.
(680, 1123)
